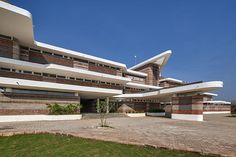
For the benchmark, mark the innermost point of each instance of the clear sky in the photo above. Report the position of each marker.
(201, 33)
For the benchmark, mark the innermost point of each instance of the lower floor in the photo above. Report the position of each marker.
(214, 136)
(186, 106)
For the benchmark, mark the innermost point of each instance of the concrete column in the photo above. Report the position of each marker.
(187, 107)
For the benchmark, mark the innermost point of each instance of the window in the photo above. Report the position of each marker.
(79, 79)
(38, 74)
(52, 75)
(62, 77)
(71, 78)
(80, 60)
(24, 48)
(5, 69)
(27, 72)
(57, 55)
(47, 53)
(35, 50)
(45, 75)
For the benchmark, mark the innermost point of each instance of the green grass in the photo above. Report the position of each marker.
(47, 145)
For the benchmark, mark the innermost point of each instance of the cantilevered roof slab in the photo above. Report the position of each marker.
(160, 60)
(16, 22)
(196, 87)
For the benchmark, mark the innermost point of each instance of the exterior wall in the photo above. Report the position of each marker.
(102, 69)
(187, 108)
(140, 106)
(187, 105)
(169, 84)
(6, 48)
(30, 104)
(10, 48)
(41, 58)
(153, 72)
(135, 79)
(233, 109)
(56, 80)
(213, 107)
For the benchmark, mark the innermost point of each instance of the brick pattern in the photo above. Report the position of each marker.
(6, 48)
(57, 80)
(140, 106)
(187, 104)
(41, 58)
(153, 72)
(22, 104)
(102, 69)
(212, 107)
(169, 84)
(78, 64)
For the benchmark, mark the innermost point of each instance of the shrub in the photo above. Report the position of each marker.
(156, 110)
(56, 109)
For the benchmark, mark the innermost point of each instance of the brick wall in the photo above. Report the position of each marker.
(56, 80)
(41, 58)
(187, 104)
(212, 107)
(17, 104)
(6, 48)
(153, 72)
(169, 84)
(102, 69)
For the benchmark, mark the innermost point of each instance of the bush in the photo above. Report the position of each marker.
(56, 109)
(156, 110)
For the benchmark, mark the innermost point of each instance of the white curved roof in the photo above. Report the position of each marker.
(171, 80)
(15, 18)
(138, 73)
(160, 59)
(198, 87)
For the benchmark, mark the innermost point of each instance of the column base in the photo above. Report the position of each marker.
(191, 117)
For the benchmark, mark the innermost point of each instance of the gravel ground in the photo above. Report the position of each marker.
(216, 135)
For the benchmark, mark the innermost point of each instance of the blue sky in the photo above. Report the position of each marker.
(201, 33)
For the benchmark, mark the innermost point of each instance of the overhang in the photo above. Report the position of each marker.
(160, 59)
(197, 87)
(84, 91)
(62, 70)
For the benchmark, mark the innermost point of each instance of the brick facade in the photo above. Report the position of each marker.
(153, 72)
(56, 80)
(18, 104)
(187, 104)
(6, 48)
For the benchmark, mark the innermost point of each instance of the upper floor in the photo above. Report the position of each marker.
(17, 42)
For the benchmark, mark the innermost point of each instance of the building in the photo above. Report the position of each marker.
(33, 74)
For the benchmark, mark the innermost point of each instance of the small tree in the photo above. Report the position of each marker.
(103, 108)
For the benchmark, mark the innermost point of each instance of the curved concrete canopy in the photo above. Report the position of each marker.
(160, 59)
(198, 87)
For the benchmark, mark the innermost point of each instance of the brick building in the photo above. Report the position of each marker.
(33, 74)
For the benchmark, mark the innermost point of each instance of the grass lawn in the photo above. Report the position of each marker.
(46, 145)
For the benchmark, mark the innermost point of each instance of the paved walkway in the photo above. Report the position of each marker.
(216, 135)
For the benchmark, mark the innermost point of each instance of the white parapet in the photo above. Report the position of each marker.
(216, 112)
(191, 117)
(24, 118)
(136, 114)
